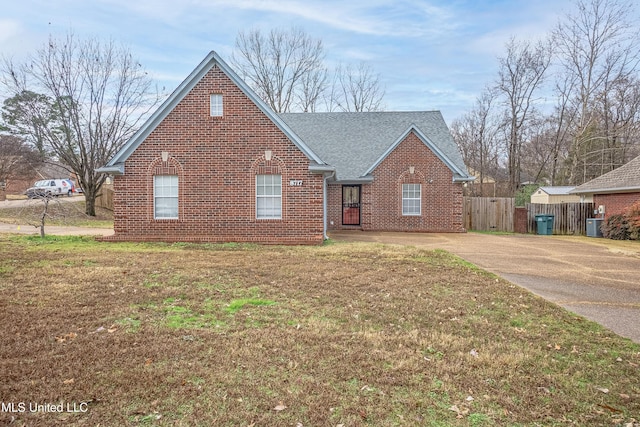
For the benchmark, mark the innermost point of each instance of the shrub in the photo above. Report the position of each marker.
(632, 215)
(523, 195)
(616, 227)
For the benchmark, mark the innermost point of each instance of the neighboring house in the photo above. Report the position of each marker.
(215, 163)
(615, 190)
(559, 194)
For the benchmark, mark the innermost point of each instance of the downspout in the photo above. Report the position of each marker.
(324, 203)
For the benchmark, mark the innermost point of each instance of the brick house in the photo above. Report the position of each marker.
(615, 190)
(215, 163)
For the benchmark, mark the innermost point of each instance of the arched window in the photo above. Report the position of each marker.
(269, 174)
(410, 184)
(165, 177)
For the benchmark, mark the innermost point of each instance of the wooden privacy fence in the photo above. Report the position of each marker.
(497, 214)
(569, 218)
(105, 198)
(489, 213)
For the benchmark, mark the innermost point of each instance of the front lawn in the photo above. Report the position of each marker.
(349, 334)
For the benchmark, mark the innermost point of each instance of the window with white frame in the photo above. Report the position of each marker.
(411, 199)
(165, 197)
(269, 196)
(216, 105)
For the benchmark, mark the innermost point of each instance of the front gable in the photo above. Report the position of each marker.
(410, 188)
(458, 174)
(193, 174)
(211, 63)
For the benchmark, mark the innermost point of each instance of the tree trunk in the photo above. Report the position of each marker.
(43, 217)
(90, 202)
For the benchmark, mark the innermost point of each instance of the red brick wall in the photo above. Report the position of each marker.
(381, 201)
(216, 160)
(615, 203)
(15, 186)
(520, 221)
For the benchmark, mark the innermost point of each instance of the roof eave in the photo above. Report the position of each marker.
(323, 168)
(117, 169)
(464, 178)
(609, 190)
(355, 181)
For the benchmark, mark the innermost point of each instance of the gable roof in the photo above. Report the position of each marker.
(116, 164)
(624, 179)
(356, 142)
(557, 190)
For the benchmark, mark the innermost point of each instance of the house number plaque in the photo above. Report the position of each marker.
(295, 182)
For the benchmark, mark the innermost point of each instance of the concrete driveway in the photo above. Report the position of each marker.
(596, 278)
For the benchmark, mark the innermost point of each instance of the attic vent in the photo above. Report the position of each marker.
(216, 105)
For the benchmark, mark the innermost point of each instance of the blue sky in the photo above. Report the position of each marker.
(431, 54)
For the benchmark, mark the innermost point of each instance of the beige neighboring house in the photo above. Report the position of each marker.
(561, 194)
(615, 191)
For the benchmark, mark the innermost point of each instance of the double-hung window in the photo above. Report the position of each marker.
(411, 199)
(216, 107)
(165, 197)
(269, 196)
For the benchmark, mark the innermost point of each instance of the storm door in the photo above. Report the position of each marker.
(350, 205)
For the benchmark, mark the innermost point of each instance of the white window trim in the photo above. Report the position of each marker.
(156, 197)
(277, 197)
(406, 212)
(216, 105)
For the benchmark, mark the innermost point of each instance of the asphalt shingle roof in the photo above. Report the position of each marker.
(557, 190)
(353, 142)
(625, 178)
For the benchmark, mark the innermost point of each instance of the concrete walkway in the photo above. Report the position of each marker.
(596, 278)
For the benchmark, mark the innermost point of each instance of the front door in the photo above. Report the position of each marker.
(350, 205)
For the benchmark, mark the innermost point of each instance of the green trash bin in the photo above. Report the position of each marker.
(545, 224)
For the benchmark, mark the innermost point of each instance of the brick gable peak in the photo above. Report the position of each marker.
(116, 165)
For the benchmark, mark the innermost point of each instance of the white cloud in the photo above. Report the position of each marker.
(372, 17)
(8, 29)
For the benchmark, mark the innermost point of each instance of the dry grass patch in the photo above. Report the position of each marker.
(344, 334)
(59, 212)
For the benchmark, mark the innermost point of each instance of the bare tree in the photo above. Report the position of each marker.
(545, 149)
(597, 45)
(476, 134)
(520, 76)
(562, 120)
(43, 207)
(356, 89)
(99, 95)
(285, 68)
(618, 111)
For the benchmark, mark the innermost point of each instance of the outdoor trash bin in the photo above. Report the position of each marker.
(545, 224)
